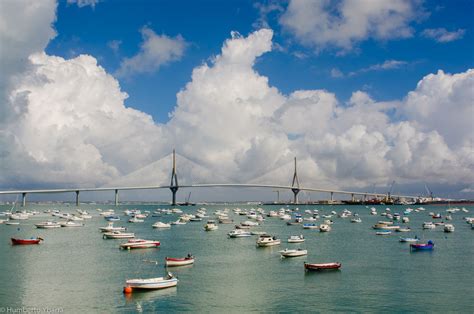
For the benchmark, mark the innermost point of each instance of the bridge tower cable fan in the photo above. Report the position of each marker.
(295, 185)
(174, 181)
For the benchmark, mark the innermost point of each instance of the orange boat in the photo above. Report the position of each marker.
(325, 266)
(26, 241)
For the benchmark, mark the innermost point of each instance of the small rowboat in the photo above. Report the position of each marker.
(422, 246)
(26, 241)
(293, 253)
(139, 244)
(151, 283)
(118, 235)
(383, 232)
(324, 266)
(171, 262)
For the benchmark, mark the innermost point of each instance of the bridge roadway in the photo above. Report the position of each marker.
(205, 185)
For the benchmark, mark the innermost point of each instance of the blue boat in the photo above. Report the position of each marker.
(112, 218)
(422, 246)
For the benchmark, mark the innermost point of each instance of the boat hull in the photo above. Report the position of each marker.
(173, 262)
(25, 241)
(320, 267)
(151, 284)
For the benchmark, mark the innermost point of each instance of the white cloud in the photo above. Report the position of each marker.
(386, 65)
(84, 3)
(442, 35)
(114, 45)
(336, 73)
(72, 128)
(323, 24)
(155, 51)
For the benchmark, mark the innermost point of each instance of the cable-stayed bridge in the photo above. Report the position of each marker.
(174, 187)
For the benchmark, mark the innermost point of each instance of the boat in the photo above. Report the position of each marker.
(160, 224)
(429, 225)
(415, 239)
(239, 233)
(150, 283)
(310, 226)
(71, 223)
(323, 266)
(135, 220)
(118, 235)
(11, 222)
(324, 228)
(403, 229)
(422, 246)
(178, 222)
(405, 219)
(293, 253)
(139, 244)
(211, 225)
(112, 218)
(48, 225)
(110, 228)
(16, 241)
(225, 220)
(356, 220)
(257, 232)
(296, 239)
(267, 240)
(171, 261)
(386, 232)
(436, 216)
(448, 228)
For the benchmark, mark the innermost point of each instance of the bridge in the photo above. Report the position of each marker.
(174, 187)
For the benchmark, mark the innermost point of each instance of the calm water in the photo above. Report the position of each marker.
(76, 270)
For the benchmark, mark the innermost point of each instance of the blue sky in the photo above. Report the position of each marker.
(206, 24)
(363, 93)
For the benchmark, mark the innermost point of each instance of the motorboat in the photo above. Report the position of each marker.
(403, 229)
(16, 241)
(436, 216)
(422, 246)
(293, 253)
(19, 216)
(139, 244)
(225, 220)
(356, 220)
(182, 261)
(71, 223)
(48, 225)
(257, 232)
(405, 219)
(385, 232)
(118, 235)
(448, 228)
(178, 222)
(296, 239)
(112, 218)
(239, 233)
(11, 222)
(267, 240)
(324, 228)
(110, 228)
(310, 226)
(150, 283)
(160, 224)
(323, 266)
(211, 225)
(249, 223)
(429, 225)
(135, 220)
(415, 239)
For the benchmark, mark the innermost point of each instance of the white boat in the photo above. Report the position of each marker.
(267, 240)
(172, 261)
(178, 222)
(19, 216)
(152, 283)
(405, 219)
(110, 228)
(249, 223)
(293, 253)
(257, 232)
(118, 235)
(135, 220)
(356, 220)
(448, 228)
(429, 225)
(296, 239)
(139, 244)
(211, 225)
(11, 222)
(71, 223)
(324, 228)
(239, 233)
(160, 224)
(415, 239)
(48, 225)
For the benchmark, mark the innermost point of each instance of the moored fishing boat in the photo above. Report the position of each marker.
(322, 266)
(160, 224)
(422, 246)
(150, 283)
(48, 225)
(182, 261)
(239, 233)
(293, 253)
(118, 235)
(17, 241)
(211, 225)
(267, 240)
(139, 244)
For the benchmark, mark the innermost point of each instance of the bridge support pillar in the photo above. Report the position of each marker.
(365, 197)
(295, 195)
(116, 197)
(332, 196)
(173, 189)
(23, 199)
(77, 198)
(352, 197)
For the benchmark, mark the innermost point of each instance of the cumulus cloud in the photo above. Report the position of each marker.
(323, 24)
(442, 35)
(71, 127)
(155, 51)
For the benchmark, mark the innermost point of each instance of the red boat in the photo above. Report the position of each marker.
(26, 241)
(188, 260)
(325, 266)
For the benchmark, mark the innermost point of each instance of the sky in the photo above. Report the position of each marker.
(98, 93)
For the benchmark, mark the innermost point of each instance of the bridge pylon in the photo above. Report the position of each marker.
(295, 185)
(174, 181)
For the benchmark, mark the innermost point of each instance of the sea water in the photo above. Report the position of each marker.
(76, 270)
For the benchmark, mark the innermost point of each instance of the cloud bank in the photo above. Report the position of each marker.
(71, 128)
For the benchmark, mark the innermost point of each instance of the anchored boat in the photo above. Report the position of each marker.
(151, 283)
(324, 266)
(171, 261)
